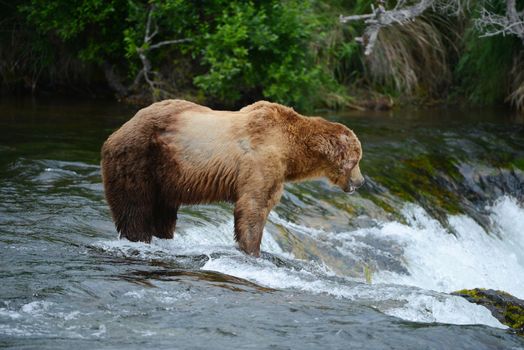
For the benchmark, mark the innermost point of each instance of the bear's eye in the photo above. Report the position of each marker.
(348, 166)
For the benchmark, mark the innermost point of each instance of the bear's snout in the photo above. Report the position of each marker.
(354, 185)
(355, 181)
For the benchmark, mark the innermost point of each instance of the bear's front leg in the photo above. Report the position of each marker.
(251, 211)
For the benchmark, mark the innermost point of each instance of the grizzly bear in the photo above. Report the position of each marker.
(177, 152)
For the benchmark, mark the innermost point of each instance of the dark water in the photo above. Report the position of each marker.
(442, 210)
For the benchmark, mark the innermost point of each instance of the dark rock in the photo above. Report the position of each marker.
(503, 306)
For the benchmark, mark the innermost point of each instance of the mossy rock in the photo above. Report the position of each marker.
(519, 163)
(503, 306)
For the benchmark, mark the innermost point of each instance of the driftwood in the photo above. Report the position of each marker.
(489, 24)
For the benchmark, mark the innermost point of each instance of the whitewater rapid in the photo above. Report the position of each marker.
(437, 261)
(470, 258)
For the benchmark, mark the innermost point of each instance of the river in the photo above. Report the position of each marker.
(442, 210)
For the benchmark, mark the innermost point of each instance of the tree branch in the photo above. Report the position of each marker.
(511, 23)
(169, 42)
(147, 38)
(381, 18)
(151, 77)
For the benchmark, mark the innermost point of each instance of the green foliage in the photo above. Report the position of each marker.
(239, 50)
(89, 28)
(262, 49)
(289, 51)
(482, 72)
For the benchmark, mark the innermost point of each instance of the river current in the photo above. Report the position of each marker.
(442, 210)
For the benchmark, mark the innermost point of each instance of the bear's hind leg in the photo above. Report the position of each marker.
(164, 217)
(134, 222)
(131, 200)
(140, 221)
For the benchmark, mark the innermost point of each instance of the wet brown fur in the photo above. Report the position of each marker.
(176, 152)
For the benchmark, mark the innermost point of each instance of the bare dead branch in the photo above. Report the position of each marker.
(169, 42)
(345, 19)
(511, 23)
(489, 24)
(380, 18)
(404, 11)
(147, 38)
(151, 77)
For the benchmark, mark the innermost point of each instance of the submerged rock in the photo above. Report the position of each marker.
(503, 306)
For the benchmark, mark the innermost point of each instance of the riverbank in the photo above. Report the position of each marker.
(232, 53)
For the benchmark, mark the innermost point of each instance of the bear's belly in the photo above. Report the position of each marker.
(206, 184)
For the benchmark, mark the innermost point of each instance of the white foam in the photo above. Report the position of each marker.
(454, 310)
(407, 303)
(220, 235)
(136, 294)
(205, 239)
(35, 308)
(162, 296)
(441, 261)
(70, 316)
(508, 215)
(9, 313)
(436, 260)
(101, 331)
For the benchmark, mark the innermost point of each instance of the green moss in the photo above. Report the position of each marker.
(519, 163)
(515, 317)
(506, 308)
(474, 293)
(423, 179)
(382, 204)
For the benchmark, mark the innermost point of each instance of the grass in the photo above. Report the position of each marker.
(410, 58)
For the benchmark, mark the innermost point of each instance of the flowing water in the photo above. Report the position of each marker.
(442, 210)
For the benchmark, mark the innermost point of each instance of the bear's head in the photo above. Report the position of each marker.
(341, 151)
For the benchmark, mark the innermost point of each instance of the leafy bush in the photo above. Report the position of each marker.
(232, 52)
(91, 29)
(238, 51)
(262, 50)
